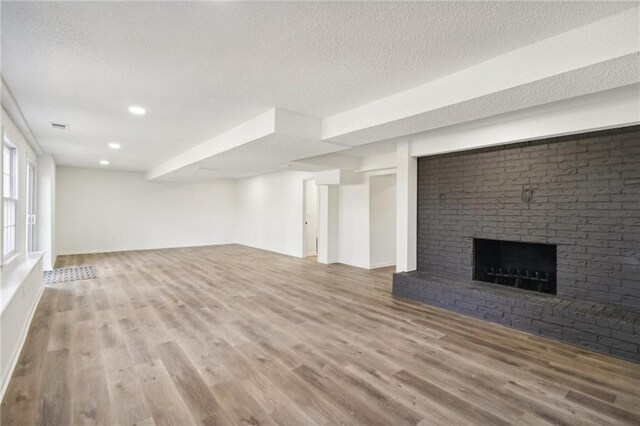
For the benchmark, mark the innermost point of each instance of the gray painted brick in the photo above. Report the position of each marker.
(586, 200)
(583, 197)
(594, 326)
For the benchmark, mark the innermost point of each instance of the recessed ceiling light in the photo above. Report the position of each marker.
(114, 145)
(137, 110)
(104, 162)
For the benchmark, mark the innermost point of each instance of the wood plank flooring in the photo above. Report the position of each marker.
(234, 335)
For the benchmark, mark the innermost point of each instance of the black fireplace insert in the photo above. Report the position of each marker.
(528, 266)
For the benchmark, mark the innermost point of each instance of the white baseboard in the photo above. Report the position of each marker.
(53, 263)
(119, 250)
(382, 265)
(18, 349)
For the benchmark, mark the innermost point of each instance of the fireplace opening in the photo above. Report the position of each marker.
(528, 266)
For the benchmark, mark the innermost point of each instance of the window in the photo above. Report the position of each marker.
(10, 201)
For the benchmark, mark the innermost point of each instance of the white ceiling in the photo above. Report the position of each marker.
(201, 68)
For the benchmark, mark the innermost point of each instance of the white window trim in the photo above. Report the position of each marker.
(30, 219)
(12, 255)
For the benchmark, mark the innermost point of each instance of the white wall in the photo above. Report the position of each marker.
(45, 212)
(406, 208)
(270, 212)
(102, 210)
(382, 220)
(328, 226)
(21, 278)
(18, 302)
(271, 217)
(367, 221)
(353, 225)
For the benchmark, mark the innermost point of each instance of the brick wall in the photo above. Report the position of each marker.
(585, 198)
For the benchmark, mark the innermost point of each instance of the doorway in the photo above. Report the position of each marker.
(310, 218)
(382, 221)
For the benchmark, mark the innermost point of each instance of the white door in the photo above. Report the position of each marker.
(310, 218)
(31, 207)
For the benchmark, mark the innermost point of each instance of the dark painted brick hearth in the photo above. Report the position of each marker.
(594, 326)
(581, 193)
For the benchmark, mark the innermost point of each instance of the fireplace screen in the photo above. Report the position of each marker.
(527, 266)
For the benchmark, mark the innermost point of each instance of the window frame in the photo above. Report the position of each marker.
(31, 205)
(9, 148)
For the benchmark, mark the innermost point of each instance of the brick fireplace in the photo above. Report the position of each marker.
(527, 266)
(574, 199)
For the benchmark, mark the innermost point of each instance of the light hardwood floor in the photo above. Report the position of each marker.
(234, 335)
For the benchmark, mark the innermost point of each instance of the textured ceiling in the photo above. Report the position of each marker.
(201, 68)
